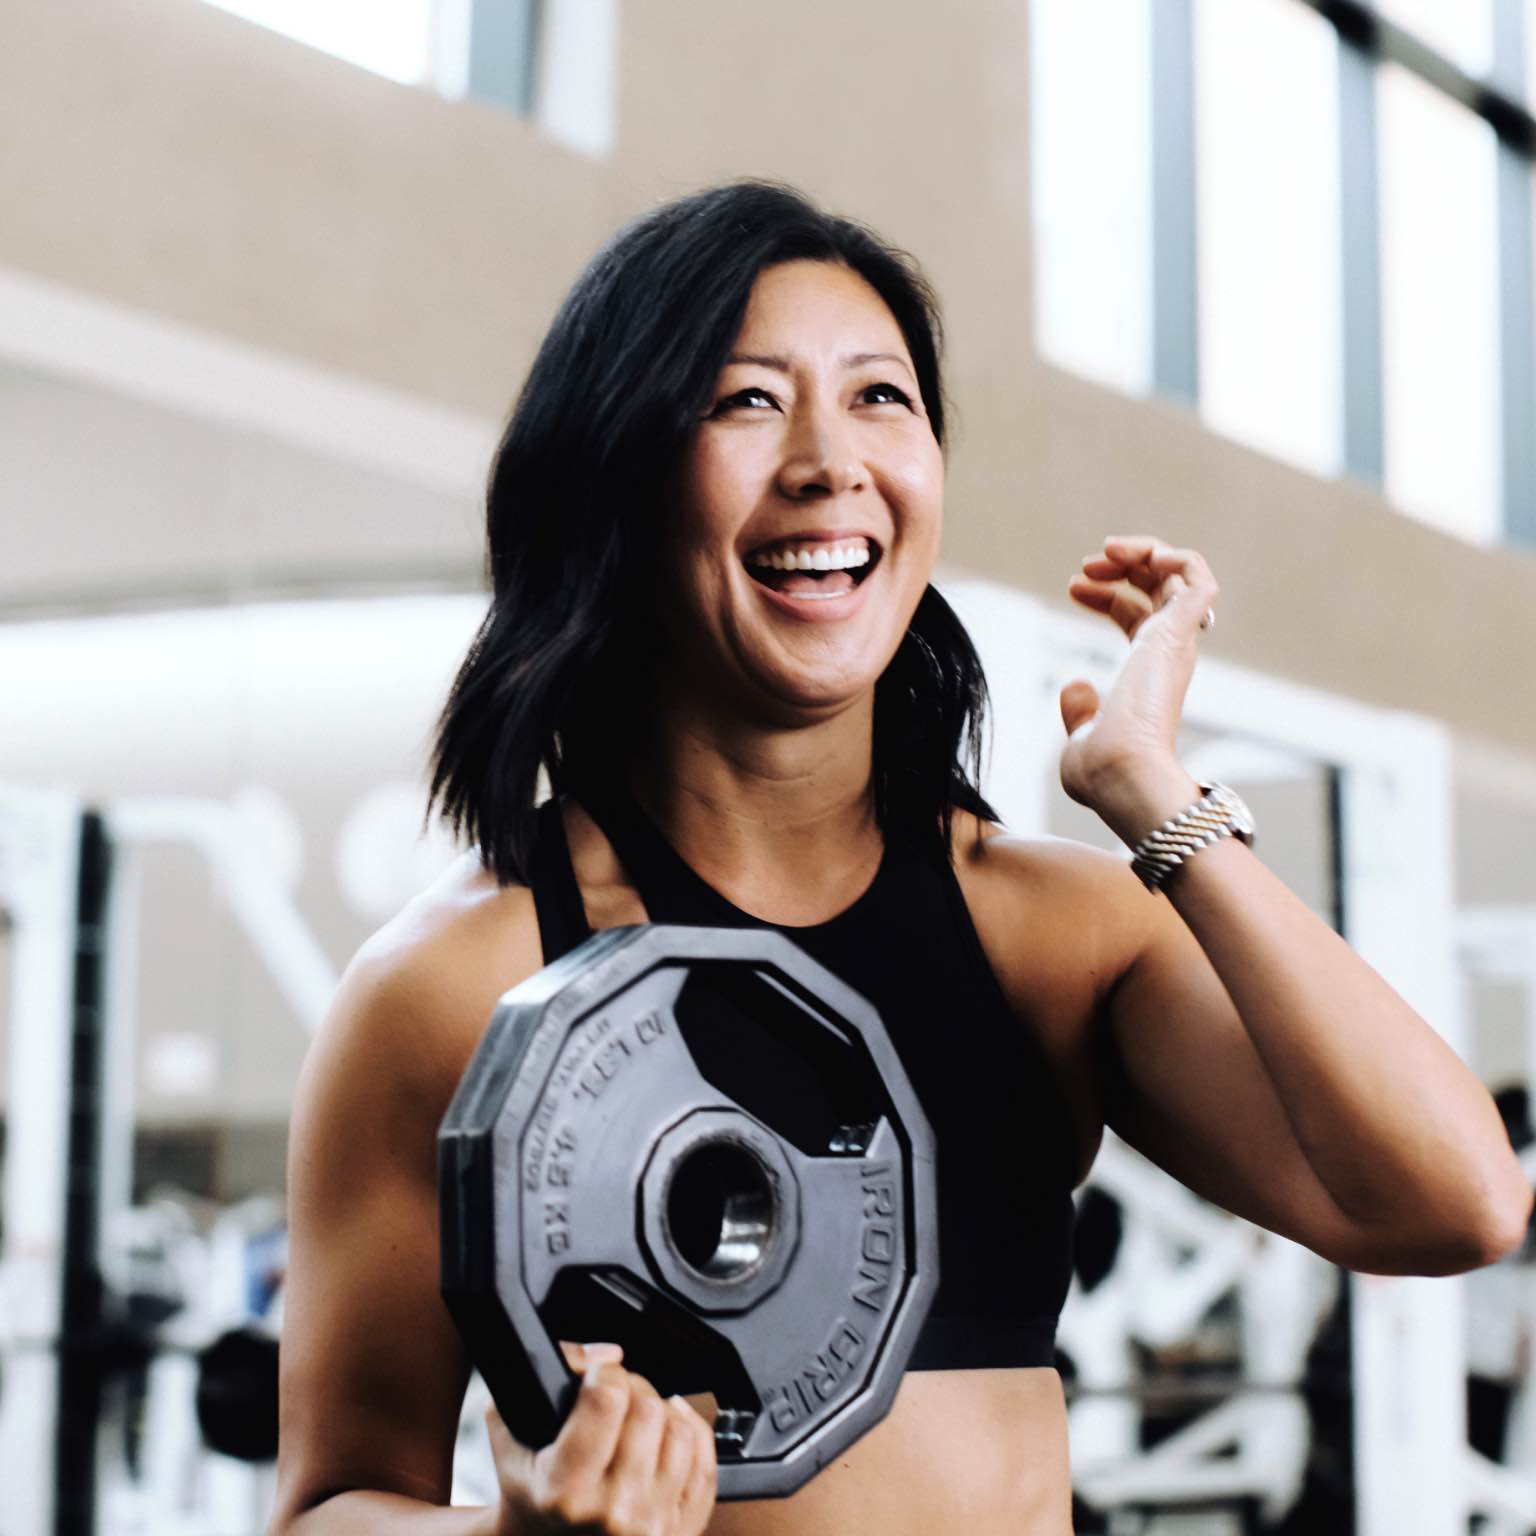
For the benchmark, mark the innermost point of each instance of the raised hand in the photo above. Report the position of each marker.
(1120, 754)
(626, 1463)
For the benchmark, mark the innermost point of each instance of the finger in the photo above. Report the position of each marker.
(1102, 595)
(1119, 600)
(1133, 546)
(1079, 704)
(1188, 581)
(1141, 578)
(1138, 573)
(1190, 562)
(1172, 585)
(1119, 558)
(1131, 552)
(513, 1460)
(1092, 594)
(679, 1451)
(1147, 551)
(1163, 571)
(639, 1446)
(586, 1443)
(699, 1492)
(579, 1356)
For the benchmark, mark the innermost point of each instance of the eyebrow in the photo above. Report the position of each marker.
(782, 365)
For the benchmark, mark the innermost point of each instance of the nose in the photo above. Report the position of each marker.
(821, 458)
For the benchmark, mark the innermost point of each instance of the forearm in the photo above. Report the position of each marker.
(1403, 1144)
(1401, 1135)
(1399, 1132)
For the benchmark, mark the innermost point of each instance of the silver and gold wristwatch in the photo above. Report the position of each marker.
(1218, 813)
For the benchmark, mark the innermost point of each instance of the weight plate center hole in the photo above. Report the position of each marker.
(722, 1210)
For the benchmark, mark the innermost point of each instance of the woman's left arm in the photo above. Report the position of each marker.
(1404, 1157)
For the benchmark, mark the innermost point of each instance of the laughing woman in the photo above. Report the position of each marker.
(713, 521)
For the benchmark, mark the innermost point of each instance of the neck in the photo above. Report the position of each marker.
(780, 820)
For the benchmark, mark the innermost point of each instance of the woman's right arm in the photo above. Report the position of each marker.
(373, 1370)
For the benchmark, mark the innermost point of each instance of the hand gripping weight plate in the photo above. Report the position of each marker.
(700, 1144)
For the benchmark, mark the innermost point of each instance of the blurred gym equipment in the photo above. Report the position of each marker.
(76, 1328)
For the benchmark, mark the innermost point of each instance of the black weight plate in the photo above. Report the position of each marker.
(700, 1144)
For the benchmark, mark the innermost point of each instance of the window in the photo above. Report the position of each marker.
(390, 37)
(1090, 120)
(553, 60)
(1462, 30)
(577, 46)
(1439, 291)
(1267, 202)
(1317, 231)
(1525, 52)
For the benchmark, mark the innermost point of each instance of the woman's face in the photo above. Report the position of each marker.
(808, 505)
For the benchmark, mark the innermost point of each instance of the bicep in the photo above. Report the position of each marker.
(1185, 1086)
(373, 1372)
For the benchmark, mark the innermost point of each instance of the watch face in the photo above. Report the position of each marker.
(1242, 817)
(1229, 801)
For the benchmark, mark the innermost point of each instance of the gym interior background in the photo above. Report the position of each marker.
(1255, 274)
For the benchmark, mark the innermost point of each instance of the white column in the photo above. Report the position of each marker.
(39, 874)
(1408, 1371)
(1025, 668)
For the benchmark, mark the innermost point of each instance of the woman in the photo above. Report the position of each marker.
(712, 524)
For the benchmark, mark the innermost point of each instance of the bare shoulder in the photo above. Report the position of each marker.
(362, 1191)
(420, 991)
(1052, 896)
(995, 853)
(1060, 923)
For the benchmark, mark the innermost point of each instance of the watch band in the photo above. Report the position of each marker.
(1218, 813)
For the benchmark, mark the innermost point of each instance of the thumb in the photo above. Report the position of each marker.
(1079, 704)
(579, 1357)
(514, 1460)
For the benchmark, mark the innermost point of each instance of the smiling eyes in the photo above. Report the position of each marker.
(756, 398)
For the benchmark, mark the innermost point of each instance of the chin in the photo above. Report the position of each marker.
(817, 693)
(800, 677)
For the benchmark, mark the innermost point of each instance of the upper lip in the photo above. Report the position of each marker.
(814, 536)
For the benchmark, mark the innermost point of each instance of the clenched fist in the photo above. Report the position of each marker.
(625, 1463)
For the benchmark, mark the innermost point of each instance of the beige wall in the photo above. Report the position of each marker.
(171, 159)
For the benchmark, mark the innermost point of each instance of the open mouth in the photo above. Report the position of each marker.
(814, 569)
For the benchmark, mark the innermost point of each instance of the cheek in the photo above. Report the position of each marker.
(695, 531)
(917, 484)
(716, 490)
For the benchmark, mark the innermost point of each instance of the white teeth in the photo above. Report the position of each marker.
(819, 557)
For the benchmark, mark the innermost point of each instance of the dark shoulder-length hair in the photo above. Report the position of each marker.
(558, 675)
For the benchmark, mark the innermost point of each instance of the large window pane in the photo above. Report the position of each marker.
(1528, 63)
(578, 67)
(1267, 154)
(1091, 169)
(390, 37)
(1439, 307)
(1460, 29)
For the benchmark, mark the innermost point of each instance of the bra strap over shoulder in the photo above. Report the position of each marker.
(556, 895)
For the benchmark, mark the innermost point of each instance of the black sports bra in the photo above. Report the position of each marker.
(1005, 1159)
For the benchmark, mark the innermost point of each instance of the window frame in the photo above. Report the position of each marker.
(1367, 40)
